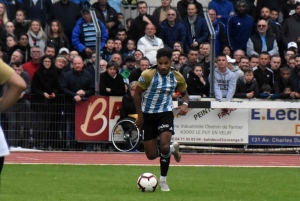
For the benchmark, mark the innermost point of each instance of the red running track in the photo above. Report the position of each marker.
(242, 160)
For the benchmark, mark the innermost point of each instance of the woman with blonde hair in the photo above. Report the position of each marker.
(36, 35)
(3, 14)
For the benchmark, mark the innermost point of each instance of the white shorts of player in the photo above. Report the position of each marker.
(3, 145)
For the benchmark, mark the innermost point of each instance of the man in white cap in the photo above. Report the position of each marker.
(235, 69)
(292, 46)
(63, 50)
(290, 30)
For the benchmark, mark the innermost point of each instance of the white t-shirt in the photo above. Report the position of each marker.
(3, 145)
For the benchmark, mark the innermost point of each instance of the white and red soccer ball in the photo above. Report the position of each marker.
(147, 182)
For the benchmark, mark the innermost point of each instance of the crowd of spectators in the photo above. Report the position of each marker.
(52, 46)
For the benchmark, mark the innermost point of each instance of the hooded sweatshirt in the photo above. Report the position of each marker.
(224, 84)
(237, 71)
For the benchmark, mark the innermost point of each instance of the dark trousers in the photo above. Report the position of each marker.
(1, 163)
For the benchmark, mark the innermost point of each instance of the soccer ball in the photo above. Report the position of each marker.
(147, 182)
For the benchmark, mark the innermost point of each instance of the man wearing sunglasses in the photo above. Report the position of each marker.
(262, 41)
(171, 30)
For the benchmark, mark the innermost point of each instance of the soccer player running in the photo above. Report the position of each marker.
(153, 101)
(14, 87)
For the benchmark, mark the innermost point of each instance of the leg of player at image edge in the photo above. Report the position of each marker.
(165, 162)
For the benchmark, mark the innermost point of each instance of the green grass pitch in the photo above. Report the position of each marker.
(118, 183)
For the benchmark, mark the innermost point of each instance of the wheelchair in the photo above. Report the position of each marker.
(125, 135)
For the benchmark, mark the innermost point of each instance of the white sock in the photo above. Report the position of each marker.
(162, 178)
(172, 149)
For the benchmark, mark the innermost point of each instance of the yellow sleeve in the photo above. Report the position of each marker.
(181, 84)
(5, 72)
(146, 78)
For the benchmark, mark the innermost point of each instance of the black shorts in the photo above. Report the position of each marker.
(155, 124)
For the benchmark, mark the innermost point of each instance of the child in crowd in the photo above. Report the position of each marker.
(246, 86)
(108, 50)
(274, 16)
(121, 20)
(266, 92)
(131, 46)
(182, 59)
(287, 90)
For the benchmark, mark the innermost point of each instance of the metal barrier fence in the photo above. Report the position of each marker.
(38, 123)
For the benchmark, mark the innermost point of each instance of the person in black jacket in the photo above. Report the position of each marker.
(111, 82)
(138, 25)
(183, 5)
(246, 86)
(45, 87)
(262, 73)
(197, 84)
(128, 106)
(285, 82)
(57, 37)
(24, 47)
(21, 24)
(67, 13)
(289, 8)
(272, 5)
(78, 86)
(107, 15)
(291, 28)
(144, 63)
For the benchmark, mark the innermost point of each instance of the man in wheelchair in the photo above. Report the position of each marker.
(128, 112)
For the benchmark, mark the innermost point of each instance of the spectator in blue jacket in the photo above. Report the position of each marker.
(239, 28)
(220, 30)
(196, 28)
(84, 34)
(223, 8)
(171, 30)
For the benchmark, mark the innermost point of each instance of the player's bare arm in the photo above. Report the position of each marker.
(15, 86)
(138, 105)
(184, 107)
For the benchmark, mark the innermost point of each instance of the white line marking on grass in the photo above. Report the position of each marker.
(233, 166)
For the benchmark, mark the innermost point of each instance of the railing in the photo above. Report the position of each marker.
(98, 47)
(50, 125)
(212, 52)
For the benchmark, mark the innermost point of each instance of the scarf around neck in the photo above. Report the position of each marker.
(39, 40)
(192, 24)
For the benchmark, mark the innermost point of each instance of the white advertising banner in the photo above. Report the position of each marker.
(274, 126)
(212, 126)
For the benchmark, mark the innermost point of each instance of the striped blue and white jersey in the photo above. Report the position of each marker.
(89, 32)
(157, 96)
